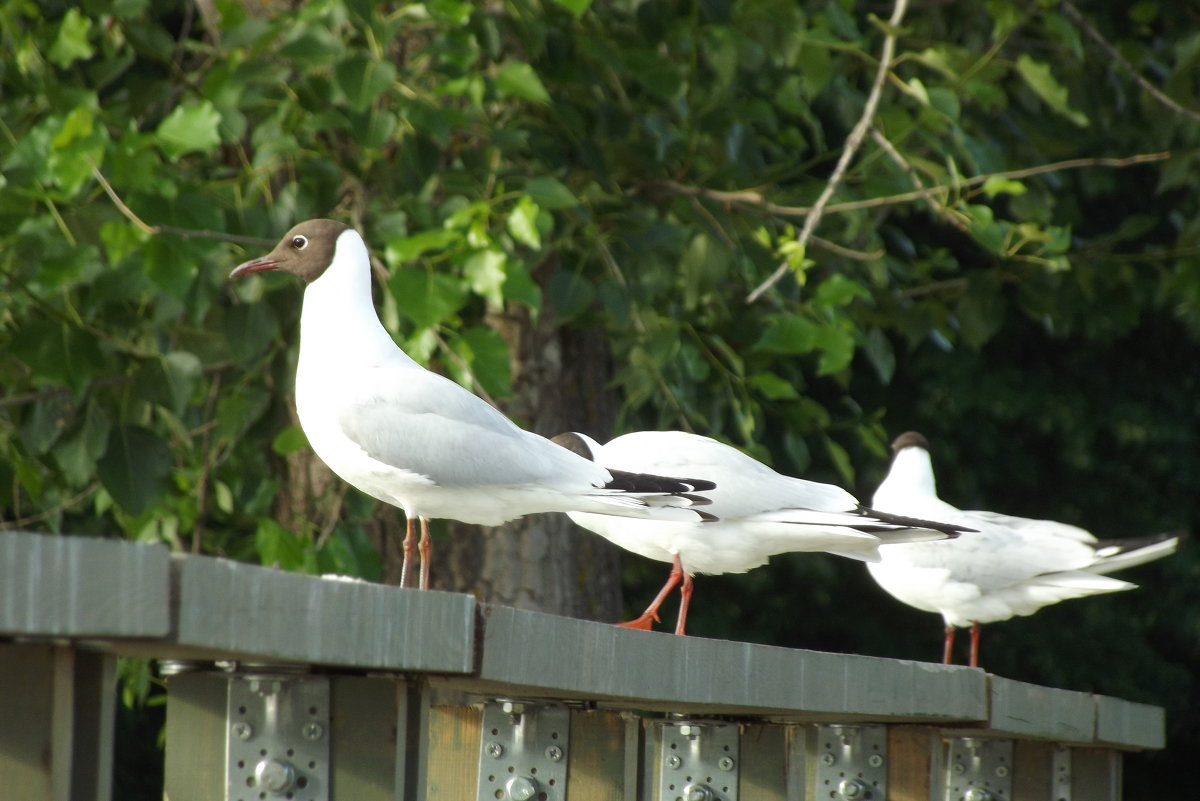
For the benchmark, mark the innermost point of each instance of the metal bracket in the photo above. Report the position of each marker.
(523, 752)
(1060, 773)
(699, 761)
(979, 769)
(277, 740)
(851, 763)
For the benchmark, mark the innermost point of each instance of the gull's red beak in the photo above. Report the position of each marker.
(259, 265)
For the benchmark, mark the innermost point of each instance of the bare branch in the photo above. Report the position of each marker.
(1075, 14)
(853, 141)
(183, 233)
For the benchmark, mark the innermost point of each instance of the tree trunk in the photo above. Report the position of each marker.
(542, 562)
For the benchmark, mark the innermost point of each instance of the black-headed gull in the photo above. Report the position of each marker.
(415, 439)
(1008, 566)
(759, 513)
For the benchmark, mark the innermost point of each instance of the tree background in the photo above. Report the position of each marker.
(571, 202)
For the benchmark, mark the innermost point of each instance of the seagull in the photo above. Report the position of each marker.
(417, 440)
(759, 513)
(1008, 566)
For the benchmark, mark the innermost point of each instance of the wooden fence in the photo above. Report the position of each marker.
(291, 687)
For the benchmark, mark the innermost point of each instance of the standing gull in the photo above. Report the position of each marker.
(415, 439)
(1010, 566)
(759, 513)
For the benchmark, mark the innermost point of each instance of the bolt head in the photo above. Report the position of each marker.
(511, 708)
(521, 788)
(689, 730)
(673, 762)
(554, 753)
(312, 730)
(275, 775)
(242, 730)
(850, 789)
(697, 792)
(494, 750)
(875, 760)
(959, 767)
(977, 794)
(828, 759)
(1001, 771)
(725, 763)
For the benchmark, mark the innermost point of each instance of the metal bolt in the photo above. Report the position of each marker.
(828, 759)
(494, 750)
(512, 708)
(312, 730)
(1001, 771)
(266, 686)
(242, 730)
(673, 762)
(977, 794)
(875, 760)
(554, 753)
(690, 730)
(959, 767)
(521, 788)
(850, 789)
(697, 792)
(725, 763)
(275, 775)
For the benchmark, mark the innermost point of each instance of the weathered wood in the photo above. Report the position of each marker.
(1032, 774)
(562, 657)
(1126, 724)
(26, 750)
(232, 610)
(596, 756)
(368, 717)
(762, 775)
(82, 586)
(194, 765)
(1095, 774)
(1027, 710)
(94, 709)
(452, 755)
(911, 762)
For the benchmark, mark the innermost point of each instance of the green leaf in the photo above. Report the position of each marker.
(550, 193)
(410, 248)
(278, 547)
(520, 286)
(134, 468)
(71, 44)
(427, 297)
(576, 7)
(290, 440)
(570, 295)
(841, 460)
(517, 79)
(189, 129)
(996, 185)
(837, 349)
(363, 79)
(487, 354)
(522, 223)
(1043, 83)
(788, 334)
(837, 290)
(485, 270)
(77, 455)
(772, 386)
(250, 328)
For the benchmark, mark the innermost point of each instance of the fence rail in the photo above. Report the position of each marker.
(311, 689)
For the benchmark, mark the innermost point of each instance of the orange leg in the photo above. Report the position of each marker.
(975, 644)
(426, 548)
(685, 598)
(948, 648)
(647, 619)
(410, 548)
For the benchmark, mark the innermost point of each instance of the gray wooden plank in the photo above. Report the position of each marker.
(555, 656)
(1030, 711)
(232, 610)
(26, 707)
(61, 586)
(1125, 724)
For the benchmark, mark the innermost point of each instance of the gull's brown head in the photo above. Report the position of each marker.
(306, 251)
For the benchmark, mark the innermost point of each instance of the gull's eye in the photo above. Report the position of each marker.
(299, 242)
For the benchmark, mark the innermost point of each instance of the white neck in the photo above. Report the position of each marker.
(910, 477)
(338, 322)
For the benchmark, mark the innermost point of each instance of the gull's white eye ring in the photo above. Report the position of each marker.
(299, 242)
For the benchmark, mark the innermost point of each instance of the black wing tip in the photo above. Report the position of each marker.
(646, 482)
(949, 529)
(1127, 544)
